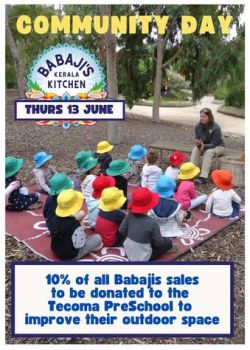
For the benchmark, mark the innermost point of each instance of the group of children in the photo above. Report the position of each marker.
(143, 222)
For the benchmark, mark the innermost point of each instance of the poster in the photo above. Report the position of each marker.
(63, 96)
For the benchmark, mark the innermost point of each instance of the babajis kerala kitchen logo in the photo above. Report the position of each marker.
(67, 86)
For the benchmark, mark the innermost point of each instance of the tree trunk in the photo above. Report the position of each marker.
(15, 56)
(158, 76)
(102, 53)
(110, 44)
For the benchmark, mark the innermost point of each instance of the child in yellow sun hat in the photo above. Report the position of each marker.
(110, 215)
(103, 155)
(68, 239)
(186, 194)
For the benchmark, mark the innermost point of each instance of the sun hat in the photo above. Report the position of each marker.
(59, 182)
(40, 158)
(177, 158)
(143, 200)
(104, 146)
(69, 202)
(12, 166)
(223, 179)
(165, 186)
(111, 199)
(118, 167)
(90, 163)
(137, 152)
(188, 171)
(81, 157)
(100, 183)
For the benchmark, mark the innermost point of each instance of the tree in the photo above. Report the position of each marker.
(15, 55)
(161, 47)
(25, 48)
(208, 59)
(203, 59)
(110, 48)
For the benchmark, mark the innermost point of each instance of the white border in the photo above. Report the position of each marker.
(2, 151)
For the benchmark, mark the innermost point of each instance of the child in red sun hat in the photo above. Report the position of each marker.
(143, 236)
(223, 202)
(176, 159)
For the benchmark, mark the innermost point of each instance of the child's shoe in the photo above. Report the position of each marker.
(188, 215)
(35, 206)
(174, 249)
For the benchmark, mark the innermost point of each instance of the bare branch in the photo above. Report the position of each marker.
(168, 62)
(134, 10)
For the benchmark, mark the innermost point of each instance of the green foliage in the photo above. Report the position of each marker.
(232, 89)
(98, 86)
(221, 92)
(29, 46)
(33, 85)
(204, 60)
(134, 68)
(176, 81)
(178, 96)
(207, 59)
(235, 97)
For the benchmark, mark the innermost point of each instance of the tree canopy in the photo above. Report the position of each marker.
(144, 60)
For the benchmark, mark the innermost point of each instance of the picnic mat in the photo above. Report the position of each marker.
(29, 227)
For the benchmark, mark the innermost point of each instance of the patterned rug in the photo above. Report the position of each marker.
(29, 228)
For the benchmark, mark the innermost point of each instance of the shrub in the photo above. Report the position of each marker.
(176, 81)
(221, 92)
(236, 97)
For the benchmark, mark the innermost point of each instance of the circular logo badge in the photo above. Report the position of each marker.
(66, 69)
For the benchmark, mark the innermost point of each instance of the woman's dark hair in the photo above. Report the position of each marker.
(208, 113)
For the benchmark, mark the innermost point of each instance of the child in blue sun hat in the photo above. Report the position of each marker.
(136, 159)
(43, 171)
(167, 212)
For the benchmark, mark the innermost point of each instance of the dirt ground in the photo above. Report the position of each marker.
(23, 139)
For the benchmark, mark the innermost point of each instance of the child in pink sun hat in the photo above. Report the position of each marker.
(143, 236)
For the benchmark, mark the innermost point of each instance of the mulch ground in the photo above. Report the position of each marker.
(23, 139)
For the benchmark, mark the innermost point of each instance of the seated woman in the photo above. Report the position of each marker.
(208, 143)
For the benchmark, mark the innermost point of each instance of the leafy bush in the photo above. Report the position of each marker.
(236, 97)
(221, 92)
(176, 81)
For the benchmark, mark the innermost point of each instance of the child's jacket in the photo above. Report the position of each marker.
(104, 159)
(42, 176)
(168, 215)
(18, 201)
(220, 202)
(142, 234)
(150, 175)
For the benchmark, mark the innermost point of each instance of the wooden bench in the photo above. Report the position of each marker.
(187, 149)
